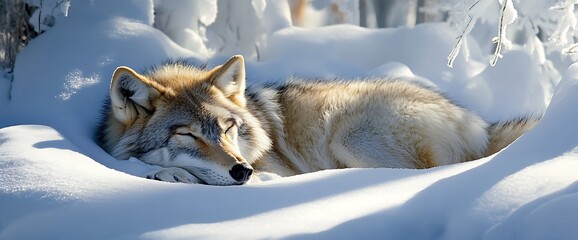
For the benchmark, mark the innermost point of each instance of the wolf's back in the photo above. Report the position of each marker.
(501, 134)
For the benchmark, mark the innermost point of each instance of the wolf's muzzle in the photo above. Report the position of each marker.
(241, 173)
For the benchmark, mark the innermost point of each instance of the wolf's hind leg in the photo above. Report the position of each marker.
(173, 174)
(364, 141)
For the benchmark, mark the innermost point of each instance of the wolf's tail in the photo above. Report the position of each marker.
(501, 134)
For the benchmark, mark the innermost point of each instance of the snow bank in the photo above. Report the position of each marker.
(60, 192)
(64, 194)
(62, 78)
(497, 93)
(550, 167)
(56, 183)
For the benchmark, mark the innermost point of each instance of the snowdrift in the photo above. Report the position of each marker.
(56, 183)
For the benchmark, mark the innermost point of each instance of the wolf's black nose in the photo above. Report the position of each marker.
(241, 173)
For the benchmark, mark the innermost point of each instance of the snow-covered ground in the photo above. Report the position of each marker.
(56, 183)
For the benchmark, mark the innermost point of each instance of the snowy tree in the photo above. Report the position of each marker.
(228, 27)
(23, 20)
(44, 17)
(213, 27)
(540, 27)
(15, 32)
(217, 27)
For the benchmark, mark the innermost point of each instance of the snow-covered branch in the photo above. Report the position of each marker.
(472, 14)
(462, 37)
(572, 49)
(508, 15)
(567, 23)
(46, 12)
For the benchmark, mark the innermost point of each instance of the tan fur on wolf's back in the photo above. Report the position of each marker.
(380, 124)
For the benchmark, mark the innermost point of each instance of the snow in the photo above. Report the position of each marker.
(42, 17)
(568, 22)
(56, 183)
(185, 21)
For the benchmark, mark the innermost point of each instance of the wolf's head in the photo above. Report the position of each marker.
(183, 116)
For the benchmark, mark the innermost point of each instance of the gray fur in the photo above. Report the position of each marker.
(204, 121)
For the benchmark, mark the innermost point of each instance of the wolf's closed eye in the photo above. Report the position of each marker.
(183, 131)
(231, 125)
(188, 135)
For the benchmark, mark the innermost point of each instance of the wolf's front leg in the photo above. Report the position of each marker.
(173, 174)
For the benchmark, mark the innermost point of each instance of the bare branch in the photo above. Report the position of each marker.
(465, 31)
(572, 49)
(498, 41)
(501, 39)
(456, 49)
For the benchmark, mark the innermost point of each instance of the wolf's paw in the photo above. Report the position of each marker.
(173, 174)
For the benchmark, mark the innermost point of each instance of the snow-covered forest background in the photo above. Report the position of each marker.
(501, 59)
(211, 27)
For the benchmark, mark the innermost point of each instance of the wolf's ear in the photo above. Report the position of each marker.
(230, 79)
(131, 94)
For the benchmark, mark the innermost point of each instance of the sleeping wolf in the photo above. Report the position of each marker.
(203, 125)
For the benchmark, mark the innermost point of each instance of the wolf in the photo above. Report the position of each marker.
(205, 126)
